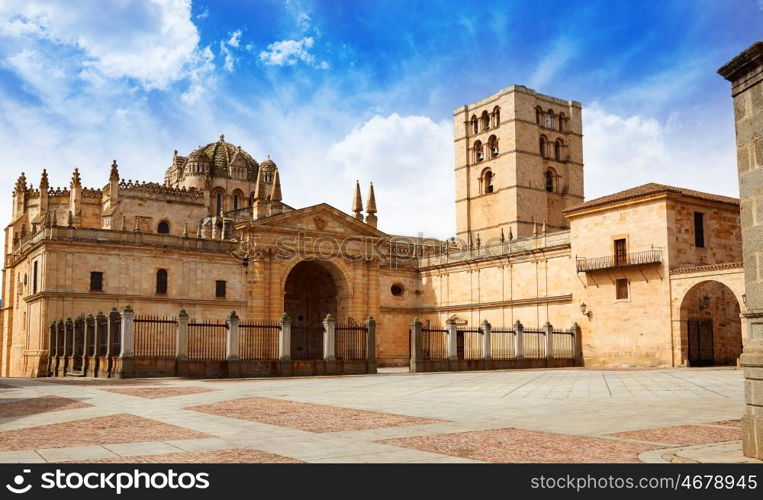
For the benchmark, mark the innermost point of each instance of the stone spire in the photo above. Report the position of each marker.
(357, 203)
(21, 183)
(76, 179)
(260, 208)
(259, 190)
(371, 218)
(44, 181)
(503, 236)
(114, 175)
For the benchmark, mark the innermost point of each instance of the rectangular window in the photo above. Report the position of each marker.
(621, 289)
(220, 287)
(699, 229)
(35, 271)
(96, 282)
(621, 254)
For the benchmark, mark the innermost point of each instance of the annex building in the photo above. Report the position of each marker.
(652, 275)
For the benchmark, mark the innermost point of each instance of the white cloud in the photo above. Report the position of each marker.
(235, 39)
(290, 52)
(153, 42)
(410, 161)
(624, 152)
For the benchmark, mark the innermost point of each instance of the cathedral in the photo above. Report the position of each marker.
(652, 275)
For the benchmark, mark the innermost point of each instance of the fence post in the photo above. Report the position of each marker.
(51, 346)
(452, 328)
(486, 340)
(519, 345)
(68, 327)
(329, 338)
(181, 341)
(232, 339)
(371, 344)
(415, 345)
(100, 319)
(284, 338)
(577, 343)
(549, 331)
(128, 328)
(89, 326)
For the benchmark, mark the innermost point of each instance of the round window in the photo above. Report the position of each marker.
(397, 290)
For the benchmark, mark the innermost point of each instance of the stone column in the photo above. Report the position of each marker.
(452, 328)
(371, 344)
(329, 338)
(745, 72)
(232, 339)
(52, 347)
(68, 327)
(549, 348)
(127, 330)
(86, 336)
(181, 342)
(284, 338)
(519, 345)
(486, 340)
(577, 343)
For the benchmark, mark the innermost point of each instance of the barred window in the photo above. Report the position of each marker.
(220, 289)
(96, 281)
(621, 289)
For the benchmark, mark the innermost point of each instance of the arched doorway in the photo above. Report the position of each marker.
(312, 290)
(711, 329)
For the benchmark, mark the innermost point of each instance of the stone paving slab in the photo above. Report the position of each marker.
(118, 428)
(517, 446)
(21, 457)
(75, 453)
(43, 404)
(231, 456)
(306, 416)
(159, 392)
(685, 434)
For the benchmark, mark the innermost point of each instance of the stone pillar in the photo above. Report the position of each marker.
(519, 345)
(232, 338)
(371, 344)
(416, 361)
(181, 342)
(52, 347)
(329, 338)
(284, 338)
(68, 328)
(127, 330)
(745, 72)
(100, 329)
(486, 340)
(452, 328)
(549, 347)
(86, 339)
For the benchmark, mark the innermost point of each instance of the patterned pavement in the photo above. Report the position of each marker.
(563, 415)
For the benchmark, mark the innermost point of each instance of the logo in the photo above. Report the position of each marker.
(18, 481)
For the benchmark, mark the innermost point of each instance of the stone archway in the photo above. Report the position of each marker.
(312, 290)
(711, 329)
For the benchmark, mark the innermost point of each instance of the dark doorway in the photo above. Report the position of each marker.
(310, 294)
(701, 351)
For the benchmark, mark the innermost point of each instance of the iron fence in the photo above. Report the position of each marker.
(206, 340)
(155, 336)
(258, 340)
(351, 341)
(434, 342)
(469, 343)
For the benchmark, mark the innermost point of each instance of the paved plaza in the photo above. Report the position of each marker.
(561, 415)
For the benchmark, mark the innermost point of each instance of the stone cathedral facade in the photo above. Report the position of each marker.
(652, 275)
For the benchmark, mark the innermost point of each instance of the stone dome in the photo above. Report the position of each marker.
(222, 155)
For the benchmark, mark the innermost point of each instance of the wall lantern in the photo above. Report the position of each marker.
(704, 302)
(583, 311)
(744, 299)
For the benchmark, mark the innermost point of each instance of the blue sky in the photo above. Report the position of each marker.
(341, 90)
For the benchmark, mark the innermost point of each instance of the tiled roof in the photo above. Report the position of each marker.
(650, 189)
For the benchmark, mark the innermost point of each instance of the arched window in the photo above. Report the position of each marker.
(479, 155)
(549, 119)
(539, 115)
(161, 282)
(558, 150)
(218, 204)
(492, 145)
(562, 118)
(475, 127)
(163, 228)
(550, 179)
(542, 146)
(496, 116)
(487, 181)
(235, 202)
(238, 200)
(485, 121)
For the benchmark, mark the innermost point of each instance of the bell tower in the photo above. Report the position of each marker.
(519, 162)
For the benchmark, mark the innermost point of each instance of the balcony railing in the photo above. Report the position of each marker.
(653, 256)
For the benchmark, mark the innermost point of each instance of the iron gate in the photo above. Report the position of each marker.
(701, 342)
